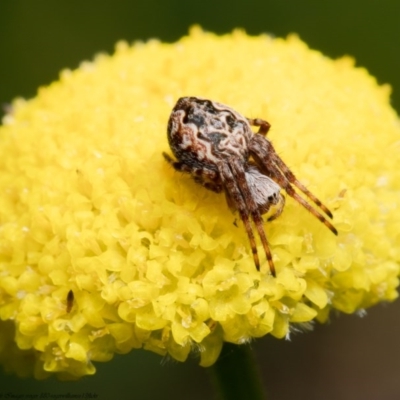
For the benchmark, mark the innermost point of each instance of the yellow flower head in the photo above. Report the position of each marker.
(105, 248)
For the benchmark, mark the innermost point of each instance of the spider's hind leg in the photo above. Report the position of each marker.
(205, 177)
(263, 125)
(175, 164)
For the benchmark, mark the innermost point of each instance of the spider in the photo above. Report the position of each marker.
(216, 145)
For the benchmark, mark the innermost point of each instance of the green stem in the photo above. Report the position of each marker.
(236, 375)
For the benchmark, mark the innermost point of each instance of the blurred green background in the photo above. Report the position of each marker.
(352, 358)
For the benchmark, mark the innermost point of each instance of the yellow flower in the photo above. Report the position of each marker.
(153, 260)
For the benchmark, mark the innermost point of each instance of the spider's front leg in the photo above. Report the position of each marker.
(203, 176)
(240, 196)
(272, 165)
(263, 125)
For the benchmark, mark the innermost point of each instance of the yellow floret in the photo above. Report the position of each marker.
(88, 204)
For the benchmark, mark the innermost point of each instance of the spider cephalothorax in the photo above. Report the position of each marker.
(216, 145)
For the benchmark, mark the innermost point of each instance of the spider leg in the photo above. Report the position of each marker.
(205, 177)
(292, 179)
(262, 124)
(263, 152)
(313, 211)
(233, 178)
(264, 128)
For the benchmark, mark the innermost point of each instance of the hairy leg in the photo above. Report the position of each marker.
(263, 152)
